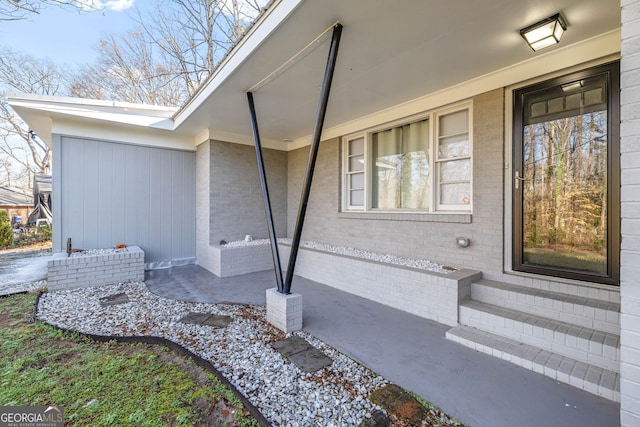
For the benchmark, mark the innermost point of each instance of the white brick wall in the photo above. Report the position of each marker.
(630, 212)
(284, 311)
(93, 270)
(402, 234)
(430, 295)
(229, 205)
(241, 260)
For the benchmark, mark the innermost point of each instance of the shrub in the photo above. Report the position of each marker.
(6, 232)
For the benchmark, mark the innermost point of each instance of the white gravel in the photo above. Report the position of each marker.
(90, 252)
(242, 352)
(420, 264)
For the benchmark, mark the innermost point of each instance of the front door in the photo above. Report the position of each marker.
(566, 176)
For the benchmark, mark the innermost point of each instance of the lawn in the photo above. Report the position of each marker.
(106, 384)
(570, 259)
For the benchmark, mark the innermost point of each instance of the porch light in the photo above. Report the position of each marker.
(544, 33)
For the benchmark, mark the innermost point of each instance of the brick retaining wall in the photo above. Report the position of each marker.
(80, 271)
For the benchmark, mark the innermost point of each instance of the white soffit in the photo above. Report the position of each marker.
(90, 118)
(391, 53)
(394, 58)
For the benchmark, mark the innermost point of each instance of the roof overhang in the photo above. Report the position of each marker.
(395, 58)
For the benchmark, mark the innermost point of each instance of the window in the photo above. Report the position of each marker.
(355, 172)
(413, 167)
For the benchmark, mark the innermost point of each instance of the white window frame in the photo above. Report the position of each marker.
(436, 159)
(347, 173)
(434, 205)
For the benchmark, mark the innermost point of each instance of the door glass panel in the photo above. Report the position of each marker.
(564, 186)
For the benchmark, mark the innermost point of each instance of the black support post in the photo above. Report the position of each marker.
(265, 195)
(313, 153)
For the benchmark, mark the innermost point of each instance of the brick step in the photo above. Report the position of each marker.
(588, 377)
(578, 310)
(577, 342)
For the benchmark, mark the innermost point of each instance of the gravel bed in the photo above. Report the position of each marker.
(420, 264)
(107, 251)
(242, 352)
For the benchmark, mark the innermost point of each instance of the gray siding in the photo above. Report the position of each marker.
(109, 193)
(236, 203)
(433, 239)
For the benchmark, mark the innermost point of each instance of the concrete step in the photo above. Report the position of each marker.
(585, 344)
(582, 311)
(591, 378)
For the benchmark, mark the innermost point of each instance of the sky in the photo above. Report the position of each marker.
(67, 36)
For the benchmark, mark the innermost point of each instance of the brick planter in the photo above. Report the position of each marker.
(80, 271)
(427, 294)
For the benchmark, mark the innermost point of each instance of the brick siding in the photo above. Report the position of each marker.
(94, 270)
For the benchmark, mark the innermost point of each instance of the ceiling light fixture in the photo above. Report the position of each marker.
(544, 33)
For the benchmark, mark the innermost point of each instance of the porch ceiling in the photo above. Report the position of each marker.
(391, 52)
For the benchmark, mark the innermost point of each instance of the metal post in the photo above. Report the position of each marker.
(265, 195)
(313, 152)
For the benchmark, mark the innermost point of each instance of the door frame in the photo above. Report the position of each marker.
(513, 125)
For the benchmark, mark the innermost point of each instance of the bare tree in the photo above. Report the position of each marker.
(23, 73)
(196, 34)
(129, 69)
(15, 10)
(170, 56)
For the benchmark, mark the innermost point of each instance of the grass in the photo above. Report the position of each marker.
(106, 384)
(570, 259)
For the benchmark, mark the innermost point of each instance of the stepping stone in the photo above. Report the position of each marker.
(114, 299)
(207, 319)
(218, 321)
(378, 419)
(194, 318)
(302, 354)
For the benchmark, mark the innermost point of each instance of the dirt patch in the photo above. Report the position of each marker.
(400, 404)
(404, 409)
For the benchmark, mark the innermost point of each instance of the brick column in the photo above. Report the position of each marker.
(630, 212)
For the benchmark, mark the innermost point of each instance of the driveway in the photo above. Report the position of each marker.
(20, 269)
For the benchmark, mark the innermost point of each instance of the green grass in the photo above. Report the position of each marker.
(106, 384)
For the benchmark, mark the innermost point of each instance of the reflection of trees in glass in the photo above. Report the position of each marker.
(401, 168)
(565, 171)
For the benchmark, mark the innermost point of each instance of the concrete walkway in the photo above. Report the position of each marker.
(412, 352)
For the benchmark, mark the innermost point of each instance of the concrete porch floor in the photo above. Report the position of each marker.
(410, 351)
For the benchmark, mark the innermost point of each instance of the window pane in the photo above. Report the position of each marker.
(356, 146)
(594, 96)
(573, 101)
(356, 163)
(455, 194)
(453, 171)
(356, 198)
(400, 178)
(356, 181)
(564, 192)
(454, 123)
(455, 146)
(554, 105)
